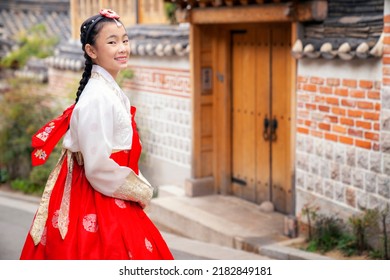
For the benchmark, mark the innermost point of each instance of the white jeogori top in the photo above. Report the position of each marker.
(100, 125)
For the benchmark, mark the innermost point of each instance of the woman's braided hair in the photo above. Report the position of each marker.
(88, 32)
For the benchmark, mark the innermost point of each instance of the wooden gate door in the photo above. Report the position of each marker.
(261, 114)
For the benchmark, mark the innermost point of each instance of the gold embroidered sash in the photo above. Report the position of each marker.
(41, 215)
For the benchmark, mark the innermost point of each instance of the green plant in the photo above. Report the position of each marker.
(124, 75)
(367, 232)
(327, 232)
(24, 111)
(375, 254)
(3, 175)
(364, 224)
(34, 42)
(170, 12)
(311, 214)
(22, 185)
(384, 214)
(26, 186)
(347, 244)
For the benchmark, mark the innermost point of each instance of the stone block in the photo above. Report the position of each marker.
(384, 186)
(329, 151)
(386, 98)
(385, 116)
(339, 191)
(199, 186)
(350, 197)
(329, 189)
(340, 154)
(351, 156)
(376, 162)
(358, 178)
(362, 158)
(346, 174)
(386, 164)
(370, 182)
(335, 172)
(385, 142)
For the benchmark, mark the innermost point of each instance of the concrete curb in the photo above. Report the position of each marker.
(211, 251)
(284, 251)
(20, 196)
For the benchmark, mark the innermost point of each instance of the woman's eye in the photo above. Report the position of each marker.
(112, 42)
(126, 41)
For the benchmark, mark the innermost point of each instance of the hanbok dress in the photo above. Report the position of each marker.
(93, 203)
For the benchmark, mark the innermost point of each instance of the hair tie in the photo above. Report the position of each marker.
(104, 13)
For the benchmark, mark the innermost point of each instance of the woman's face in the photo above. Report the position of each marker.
(112, 49)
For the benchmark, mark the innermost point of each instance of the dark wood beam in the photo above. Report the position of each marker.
(275, 12)
(241, 14)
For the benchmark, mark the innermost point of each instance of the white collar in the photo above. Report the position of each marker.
(107, 76)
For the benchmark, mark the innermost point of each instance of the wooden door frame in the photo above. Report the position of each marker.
(222, 113)
(220, 181)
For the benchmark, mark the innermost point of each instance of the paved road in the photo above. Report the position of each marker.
(15, 220)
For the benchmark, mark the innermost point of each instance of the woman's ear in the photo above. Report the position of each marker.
(90, 50)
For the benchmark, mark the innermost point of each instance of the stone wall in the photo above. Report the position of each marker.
(385, 121)
(160, 90)
(343, 133)
(63, 83)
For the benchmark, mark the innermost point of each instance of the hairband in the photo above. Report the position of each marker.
(104, 13)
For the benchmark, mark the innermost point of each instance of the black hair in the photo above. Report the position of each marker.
(88, 32)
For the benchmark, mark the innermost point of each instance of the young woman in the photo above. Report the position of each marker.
(92, 205)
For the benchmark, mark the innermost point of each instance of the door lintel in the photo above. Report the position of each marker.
(316, 10)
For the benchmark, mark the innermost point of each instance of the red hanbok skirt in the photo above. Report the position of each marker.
(100, 227)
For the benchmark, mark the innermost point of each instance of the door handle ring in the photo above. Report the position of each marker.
(274, 126)
(266, 134)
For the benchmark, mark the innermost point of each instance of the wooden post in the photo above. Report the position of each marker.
(196, 99)
(74, 7)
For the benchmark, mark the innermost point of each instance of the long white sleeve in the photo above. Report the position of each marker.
(95, 133)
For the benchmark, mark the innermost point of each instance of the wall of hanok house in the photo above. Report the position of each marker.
(63, 82)
(343, 133)
(160, 89)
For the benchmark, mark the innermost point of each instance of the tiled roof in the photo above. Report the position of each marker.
(68, 56)
(22, 15)
(159, 40)
(352, 29)
(34, 69)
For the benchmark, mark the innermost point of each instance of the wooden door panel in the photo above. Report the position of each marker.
(261, 89)
(237, 129)
(281, 179)
(262, 82)
(243, 114)
(248, 112)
